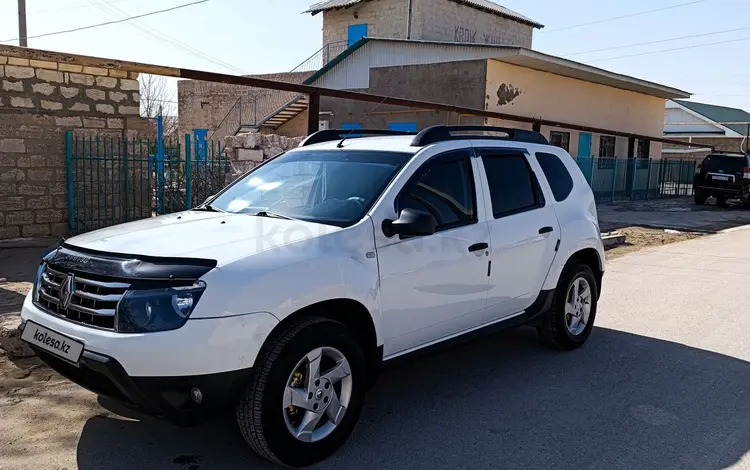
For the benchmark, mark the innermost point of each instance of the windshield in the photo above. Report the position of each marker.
(334, 187)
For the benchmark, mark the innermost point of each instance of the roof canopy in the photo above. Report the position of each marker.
(733, 118)
(484, 5)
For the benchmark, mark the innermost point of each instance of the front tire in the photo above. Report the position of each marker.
(306, 393)
(570, 319)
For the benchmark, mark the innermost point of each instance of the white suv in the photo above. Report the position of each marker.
(282, 296)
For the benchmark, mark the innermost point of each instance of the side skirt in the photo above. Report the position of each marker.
(528, 317)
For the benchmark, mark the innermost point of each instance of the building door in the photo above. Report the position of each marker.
(356, 32)
(584, 159)
(403, 126)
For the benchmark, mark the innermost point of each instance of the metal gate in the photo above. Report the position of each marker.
(114, 180)
(619, 179)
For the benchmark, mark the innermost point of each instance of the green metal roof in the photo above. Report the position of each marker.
(720, 114)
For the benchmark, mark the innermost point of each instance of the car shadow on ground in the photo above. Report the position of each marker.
(623, 401)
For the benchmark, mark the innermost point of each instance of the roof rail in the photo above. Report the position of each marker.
(338, 134)
(442, 133)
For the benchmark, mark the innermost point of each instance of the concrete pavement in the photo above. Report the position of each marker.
(664, 382)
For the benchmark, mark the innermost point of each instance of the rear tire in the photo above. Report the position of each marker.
(700, 197)
(263, 418)
(559, 329)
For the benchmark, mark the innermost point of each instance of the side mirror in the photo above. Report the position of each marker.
(410, 223)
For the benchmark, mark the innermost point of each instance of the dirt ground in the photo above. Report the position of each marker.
(639, 238)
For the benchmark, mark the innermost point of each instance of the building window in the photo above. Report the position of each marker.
(607, 160)
(644, 148)
(560, 139)
(607, 146)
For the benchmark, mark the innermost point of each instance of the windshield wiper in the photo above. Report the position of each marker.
(208, 208)
(273, 215)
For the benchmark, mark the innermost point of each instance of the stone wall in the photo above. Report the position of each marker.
(432, 20)
(246, 151)
(39, 101)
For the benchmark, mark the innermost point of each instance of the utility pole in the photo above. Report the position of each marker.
(22, 23)
(408, 20)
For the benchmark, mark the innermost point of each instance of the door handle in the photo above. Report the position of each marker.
(478, 247)
(544, 230)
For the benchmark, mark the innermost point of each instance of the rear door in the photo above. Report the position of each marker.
(723, 172)
(523, 229)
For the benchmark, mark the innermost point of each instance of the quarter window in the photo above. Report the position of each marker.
(557, 175)
(443, 187)
(513, 187)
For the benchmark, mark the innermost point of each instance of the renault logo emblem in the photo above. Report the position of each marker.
(67, 289)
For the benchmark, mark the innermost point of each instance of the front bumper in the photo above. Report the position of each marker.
(156, 372)
(170, 398)
(200, 347)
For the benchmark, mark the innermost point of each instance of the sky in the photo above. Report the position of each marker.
(264, 36)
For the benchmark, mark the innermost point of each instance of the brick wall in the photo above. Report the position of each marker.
(433, 20)
(39, 101)
(384, 19)
(445, 20)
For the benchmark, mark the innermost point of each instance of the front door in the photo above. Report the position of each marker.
(428, 284)
(585, 159)
(356, 32)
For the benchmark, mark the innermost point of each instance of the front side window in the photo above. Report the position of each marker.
(443, 187)
(334, 187)
(513, 187)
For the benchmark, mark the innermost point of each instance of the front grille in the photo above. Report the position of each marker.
(93, 302)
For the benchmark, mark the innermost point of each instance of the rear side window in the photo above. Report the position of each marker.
(557, 175)
(513, 187)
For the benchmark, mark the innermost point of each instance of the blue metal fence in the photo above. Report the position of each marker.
(111, 180)
(619, 179)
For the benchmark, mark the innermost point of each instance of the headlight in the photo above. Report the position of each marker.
(37, 282)
(142, 311)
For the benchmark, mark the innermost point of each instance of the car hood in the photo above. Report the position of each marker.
(196, 234)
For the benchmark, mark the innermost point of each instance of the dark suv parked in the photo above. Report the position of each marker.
(723, 176)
